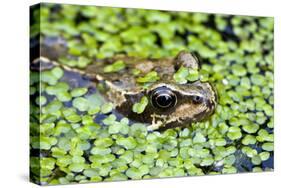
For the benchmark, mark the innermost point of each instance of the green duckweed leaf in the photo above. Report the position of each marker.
(138, 129)
(137, 173)
(180, 75)
(128, 143)
(229, 170)
(57, 72)
(78, 159)
(115, 67)
(58, 152)
(148, 78)
(41, 100)
(264, 156)
(80, 103)
(106, 108)
(257, 169)
(105, 142)
(193, 75)
(234, 133)
(90, 172)
(48, 77)
(83, 62)
(64, 161)
(256, 160)
(249, 139)
(199, 138)
(58, 88)
(140, 107)
(207, 161)
(73, 118)
(250, 128)
(64, 96)
(77, 167)
(78, 92)
(47, 163)
(100, 150)
(47, 142)
(52, 107)
(249, 151)
(239, 70)
(220, 142)
(184, 133)
(268, 146)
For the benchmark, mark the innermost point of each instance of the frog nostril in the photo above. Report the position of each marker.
(197, 99)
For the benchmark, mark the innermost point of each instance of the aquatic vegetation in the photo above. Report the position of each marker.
(184, 75)
(149, 77)
(140, 106)
(115, 67)
(76, 135)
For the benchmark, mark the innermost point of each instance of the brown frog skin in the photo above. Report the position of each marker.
(170, 104)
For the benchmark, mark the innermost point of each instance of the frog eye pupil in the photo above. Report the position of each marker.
(163, 99)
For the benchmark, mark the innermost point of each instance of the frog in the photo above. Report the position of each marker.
(170, 104)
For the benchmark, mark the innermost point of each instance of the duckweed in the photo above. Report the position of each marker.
(140, 107)
(64, 96)
(180, 75)
(80, 103)
(199, 138)
(83, 139)
(115, 67)
(149, 77)
(234, 133)
(183, 75)
(41, 100)
(106, 108)
(77, 92)
(127, 143)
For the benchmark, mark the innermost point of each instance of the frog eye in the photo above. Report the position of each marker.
(197, 99)
(163, 98)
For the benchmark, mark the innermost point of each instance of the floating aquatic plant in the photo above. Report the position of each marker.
(139, 107)
(83, 140)
(115, 67)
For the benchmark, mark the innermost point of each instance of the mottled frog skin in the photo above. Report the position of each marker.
(170, 104)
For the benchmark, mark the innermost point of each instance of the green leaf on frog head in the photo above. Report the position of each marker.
(149, 77)
(83, 62)
(186, 74)
(140, 107)
(193, 75)
(180, 75)
(115, 67)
